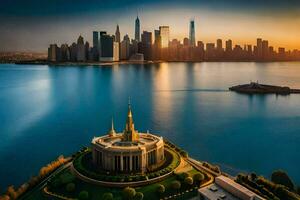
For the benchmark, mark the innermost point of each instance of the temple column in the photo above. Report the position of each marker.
(121, 159)
(130, 163)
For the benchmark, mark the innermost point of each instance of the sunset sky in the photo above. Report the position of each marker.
(32, 25)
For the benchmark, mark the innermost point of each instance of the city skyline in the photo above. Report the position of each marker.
(241, 22)
(144, 47)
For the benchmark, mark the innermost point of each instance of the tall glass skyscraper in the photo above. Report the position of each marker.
(192, 33)
(164, 36)
(137, 29)
(96, 39)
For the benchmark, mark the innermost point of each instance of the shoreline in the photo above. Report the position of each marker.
(98, 63)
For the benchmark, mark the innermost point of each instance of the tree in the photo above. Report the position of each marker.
(139, 196)
(107, 196)
(83, 195)
(161, 189)
(199, 177)
(11, 192)
(298, 190)
(70, 187)
(176, 185)
(5, 197)
(129, 193)
(189, 181)
(281, 177)
(253, 176)
(184, 154)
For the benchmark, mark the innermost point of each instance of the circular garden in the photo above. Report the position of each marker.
(83, 164)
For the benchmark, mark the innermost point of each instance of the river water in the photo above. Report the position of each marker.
(47, 111)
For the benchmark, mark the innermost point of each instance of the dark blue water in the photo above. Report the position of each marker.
(47, 111)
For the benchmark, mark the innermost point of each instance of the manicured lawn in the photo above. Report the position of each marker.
(96, 192)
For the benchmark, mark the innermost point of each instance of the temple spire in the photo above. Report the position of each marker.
(130, 134)
(112, 131)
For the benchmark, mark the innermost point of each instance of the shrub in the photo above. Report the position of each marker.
(176, 185)
(139, 196)
(128, 193)
(280, 177)
(107, 196)
(199, 177)
(189, 181)
(182, 176)
(70, 187)
(83, 195)
(161, 189)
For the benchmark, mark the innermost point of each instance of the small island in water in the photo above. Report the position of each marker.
(256, 88)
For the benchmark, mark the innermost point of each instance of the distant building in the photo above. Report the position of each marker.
(81, 50)
(265, 49)
(137, 29)
(192, 33)
(73, 52)
(186, 41)
(125, 48)
(94, 54)
(174, 48)
(134, 47)
(52, 53)
(87, 49)
(109, 49)
(137, 57)
(259, 49)
(96, 39)
(156, 50)
(164, 35)
(219, 45)
(146, 45)
(228, 46)
(65, 52)
(226, 188)
(117, 34)
(210, 51)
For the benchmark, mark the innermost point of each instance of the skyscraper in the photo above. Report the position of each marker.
(52, 52)
(96, 39)
(109, 48)
(137, 29)
(192, 33)
(156, 55)
(118, 36)
(228, 46)
(125, 48)
(164, 35)
(265, 49)
(259, 48)
(219, 45)
(146, 47)
(81, 55)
